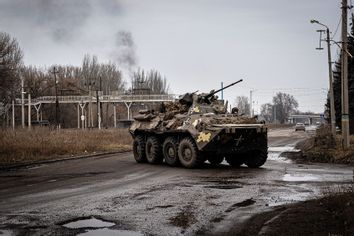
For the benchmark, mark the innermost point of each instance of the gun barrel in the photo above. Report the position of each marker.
(211, 94)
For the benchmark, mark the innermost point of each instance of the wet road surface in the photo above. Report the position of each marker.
(113, 195)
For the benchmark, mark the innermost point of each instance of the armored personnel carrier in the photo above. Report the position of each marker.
(196, 128)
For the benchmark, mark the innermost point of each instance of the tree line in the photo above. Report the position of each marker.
(278, 111)
(71, 80)
(337, 85)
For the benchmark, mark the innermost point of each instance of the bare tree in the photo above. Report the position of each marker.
(243, 105)
(35, 81)
(71, 80)
(10, 64)
(284, 105)
(150, 82)
(68, 79)
(267, 112)
(111, 78)
(90, 71)
(105, 76)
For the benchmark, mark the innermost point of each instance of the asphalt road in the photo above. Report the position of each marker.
(143, 199)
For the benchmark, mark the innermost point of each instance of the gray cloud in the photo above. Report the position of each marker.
(62, 19)
(111, 7)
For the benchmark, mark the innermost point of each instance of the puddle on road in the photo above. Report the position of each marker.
(226, 182)
(299, 178)
(276, 157)
(283, 149)
(275, 153)
(245, 203)
(110, 232)
(98, 227)
(223, 186)
(88, 223)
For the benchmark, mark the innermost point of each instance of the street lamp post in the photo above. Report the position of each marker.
(331, 94)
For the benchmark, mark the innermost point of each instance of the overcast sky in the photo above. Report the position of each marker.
(197, 44)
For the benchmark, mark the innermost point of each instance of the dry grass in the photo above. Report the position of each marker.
(42, 143)
(324, 148)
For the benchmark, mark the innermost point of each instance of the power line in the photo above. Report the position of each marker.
(57, 111)
(335, 32)
(276, 89)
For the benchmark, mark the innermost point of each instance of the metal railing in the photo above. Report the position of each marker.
(104, 98)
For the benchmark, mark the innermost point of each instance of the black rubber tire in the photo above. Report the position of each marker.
(188, 153)
(139, 149)
(234, 160)
(153, 150)
(170, 151)
(215, 159)
(256, 158)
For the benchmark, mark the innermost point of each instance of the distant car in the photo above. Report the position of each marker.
(299, 127)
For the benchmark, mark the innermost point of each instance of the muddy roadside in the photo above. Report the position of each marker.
(330, 214)
(324, 148)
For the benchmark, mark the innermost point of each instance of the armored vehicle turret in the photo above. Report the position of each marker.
(197, 128)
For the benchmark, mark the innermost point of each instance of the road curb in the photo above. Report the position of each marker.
(29, 164)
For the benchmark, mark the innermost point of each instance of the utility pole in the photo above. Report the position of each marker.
(29, 111)
(331, 94)
(90, 106)
(90, 116)
(13, 114)
(99, 107)
(55, 72)
(98, 110)
(101, 123)
(82, 106)
(251, 102)
(344, 69)
(22, 103)
(115, 115)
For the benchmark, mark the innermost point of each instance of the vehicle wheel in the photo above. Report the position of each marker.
(170, 151)
(153, 150)
(215, 159)
(234, 160)
(256, 158)
(188, 153)
(139, 149)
